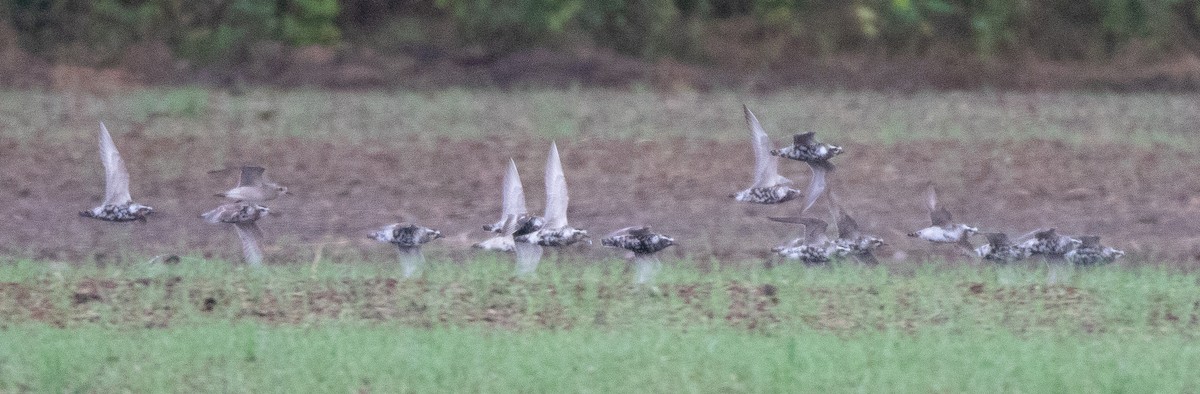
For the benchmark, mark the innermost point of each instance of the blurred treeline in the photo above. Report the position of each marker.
(691, 30)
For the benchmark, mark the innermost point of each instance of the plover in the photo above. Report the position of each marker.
(1091, 252)
(512, 207)
(117, 206)
(408, 238)
(859, 245)
(942, 231)
(555, 232)
(244, 218)
(815, 247)
(253, 186)
(806, 148)
(769, 187)
(1048, 243)
(644, 245)
(999, 249)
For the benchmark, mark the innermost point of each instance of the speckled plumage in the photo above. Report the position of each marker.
(244, 218)
(555, 231)
(514, 218)
(1091, 252)
(639, 240)
(769, 187)
(408, 238)
(805, 148)
(858, 245)
(117, 206)
(815, 247)
(1048, 243)
(999, 249)
(253, 186)
(942, 230)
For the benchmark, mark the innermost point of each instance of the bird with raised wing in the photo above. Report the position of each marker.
(942, 230)
(244, 217)
(769, 187)
(644, 245)
(1048, 243)
(117, 206)
(254, 186)
(556, 232)
(806, 148)
(999, 249)
(815, 247)
(408, 238)
(1091, 252)
(860, 246)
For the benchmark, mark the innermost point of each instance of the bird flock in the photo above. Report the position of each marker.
(525, 235)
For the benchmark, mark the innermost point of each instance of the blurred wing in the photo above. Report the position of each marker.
(1034, 234)
(847, 227)
(937, 216)
(766, 166)
(631, 230)
(815, 231)
(513, 199)
(251, 176)
(527, 256)
(816, 185)
(116, 178)
(803, 139)
(556, 191)
(251, 237)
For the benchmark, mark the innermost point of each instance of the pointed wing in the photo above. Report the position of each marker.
(513, 199)
(556, 191)
(251, 176)
(631, 230)
(251, 237)
(815, 231)
(527, 256)
(766, 166)
(1040, 233)
(803, 139)
(116, 178)
(937, 216)
(816, 185)
(847, 227)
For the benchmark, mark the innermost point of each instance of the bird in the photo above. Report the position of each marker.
(815, 247)
(859, 245)
(555, 232)
(1048, 243)
(1091, 252)
(769, 187)
(644, 245)
(408, 238)
(117, 206)
(244, 217)
(805, 148)
(512, 207)
(942, 231)
(999, 249)
(253, 186)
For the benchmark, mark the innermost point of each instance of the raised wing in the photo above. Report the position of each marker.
(1041, 233)
(937, 216)
(766, 166)
(847, 227)
(251, 176)
(631, 230)
(803, 139)
(251, 237)
(997, 239)
(817, 184)
(116, 178)
(556, 191)
(814, 228)
(513, 199)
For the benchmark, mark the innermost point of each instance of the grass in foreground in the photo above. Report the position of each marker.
(202, 326)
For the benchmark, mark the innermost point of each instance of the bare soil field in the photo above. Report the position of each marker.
(1143, 199)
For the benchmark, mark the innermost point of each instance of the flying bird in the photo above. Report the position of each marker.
(815, 247)
(512, 207)
(806, 148)
(644, 245)
(1048, 243)
(1091, 252)
(254, 186)
(556, 232)
(942, 230)
(117, 206)
(244, 218)
(769, 187)
(860, 246)
(408, 238)
(999, 249)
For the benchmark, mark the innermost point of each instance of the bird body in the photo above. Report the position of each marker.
(644, 245)
(806, 148)
(244, 218)
(1000, 249)
(769, 187)
(555, 232)
(408, 238)
(942, 230)
(253, 186)
(117, 206)
(1091, 252)
(1047, 242)
(815, 247)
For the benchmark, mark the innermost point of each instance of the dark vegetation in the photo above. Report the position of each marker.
(673, 43)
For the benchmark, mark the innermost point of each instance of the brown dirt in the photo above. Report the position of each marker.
(1142, 200)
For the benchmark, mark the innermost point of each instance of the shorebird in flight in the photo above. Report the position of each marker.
(408, 238)
(999, 249)
(815, 247)
(244, 218)
(1091, 252)
(117, 206)
(644, 245)
(556, 232)
(806, 148)
(515, 221)
(254, 186)
(860, 246)
(1048, 243)
(769, 187)
(942, 230)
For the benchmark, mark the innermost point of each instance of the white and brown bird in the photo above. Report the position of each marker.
(806, 148)
(556, 232)
(1048, 243)
(1000, 250)
(512, 207)
(1091, 252)
(254, 187)
(859, 245)
(769, 187)
(815, 247)
(117, 206)
(244, 217)
(644, 245)
(408, 238)
(942, 230)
